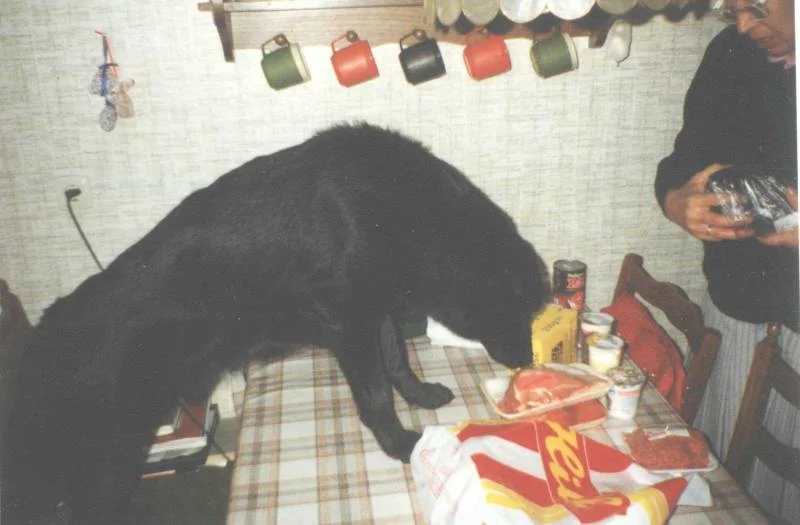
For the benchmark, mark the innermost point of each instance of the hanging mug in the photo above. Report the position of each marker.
(421, 61)
(283, 67)
(486, 55)
(353, 63)
(554, 55)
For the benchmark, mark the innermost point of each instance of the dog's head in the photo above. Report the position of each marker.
(490, 291)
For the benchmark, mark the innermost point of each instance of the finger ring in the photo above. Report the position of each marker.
(708, 229)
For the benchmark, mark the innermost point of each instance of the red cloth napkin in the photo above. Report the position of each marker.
(650, 347)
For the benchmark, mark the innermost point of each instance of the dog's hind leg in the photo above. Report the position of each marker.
(105, 482)
(65, 472)
(395, 361)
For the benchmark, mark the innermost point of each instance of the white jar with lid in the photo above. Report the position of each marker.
(605, 352)
(596, 323)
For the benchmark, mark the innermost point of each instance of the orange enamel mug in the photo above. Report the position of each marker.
(353, 63)
(486, 55)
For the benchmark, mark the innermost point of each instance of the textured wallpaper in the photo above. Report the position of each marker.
(571, 158)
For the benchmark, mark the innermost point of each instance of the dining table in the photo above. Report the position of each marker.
(305, 457)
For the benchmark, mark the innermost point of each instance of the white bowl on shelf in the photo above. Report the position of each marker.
(570, 9)
(522, 11)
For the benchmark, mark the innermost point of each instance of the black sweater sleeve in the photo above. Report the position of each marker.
(709, 111)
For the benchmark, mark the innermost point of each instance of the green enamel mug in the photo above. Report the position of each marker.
(554, 55)
(283, 67)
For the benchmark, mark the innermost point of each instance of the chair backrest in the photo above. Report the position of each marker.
(750, 439)
(685, 316)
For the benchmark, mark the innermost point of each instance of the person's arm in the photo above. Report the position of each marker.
(701, 139)
(702, 144)
(691, 208)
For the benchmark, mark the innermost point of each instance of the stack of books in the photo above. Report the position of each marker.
(183, 442)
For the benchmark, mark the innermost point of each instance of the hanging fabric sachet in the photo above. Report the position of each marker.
(107, 84)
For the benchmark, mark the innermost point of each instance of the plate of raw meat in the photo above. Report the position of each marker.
(541, 388)
(670, 450)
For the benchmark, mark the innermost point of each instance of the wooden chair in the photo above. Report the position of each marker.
(750, 439)
(684, 315)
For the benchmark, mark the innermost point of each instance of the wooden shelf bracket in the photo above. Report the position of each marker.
(222, 19)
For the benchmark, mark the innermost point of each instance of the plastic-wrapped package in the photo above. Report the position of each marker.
(542, 388)
(748, 192)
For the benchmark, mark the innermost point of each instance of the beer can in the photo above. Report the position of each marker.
(569, 284)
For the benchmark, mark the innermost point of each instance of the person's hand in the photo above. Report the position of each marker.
(784, 238)
(690, 207)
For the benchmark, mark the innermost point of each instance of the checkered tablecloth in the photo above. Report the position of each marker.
(305, 458)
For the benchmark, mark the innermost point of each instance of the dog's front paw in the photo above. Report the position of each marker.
(399, 444)
(405, 445)
(430, 395)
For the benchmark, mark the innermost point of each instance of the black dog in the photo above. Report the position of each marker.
(322, 243)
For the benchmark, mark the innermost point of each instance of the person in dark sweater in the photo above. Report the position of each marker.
(741, 110)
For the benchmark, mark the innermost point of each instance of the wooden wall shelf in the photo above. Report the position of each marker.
(246, 24)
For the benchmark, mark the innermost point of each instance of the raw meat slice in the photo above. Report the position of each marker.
(539, 386)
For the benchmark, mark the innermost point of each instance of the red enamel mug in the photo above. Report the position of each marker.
(354, 62)
(486, 55)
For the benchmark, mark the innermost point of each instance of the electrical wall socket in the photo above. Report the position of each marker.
(84, 200)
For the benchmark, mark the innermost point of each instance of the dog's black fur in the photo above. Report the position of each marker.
(322, 243)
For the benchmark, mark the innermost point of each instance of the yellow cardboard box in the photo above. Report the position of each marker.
(554, 335)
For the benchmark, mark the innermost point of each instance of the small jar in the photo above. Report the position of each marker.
(596, 323)
(625, 392)
(605, 352)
